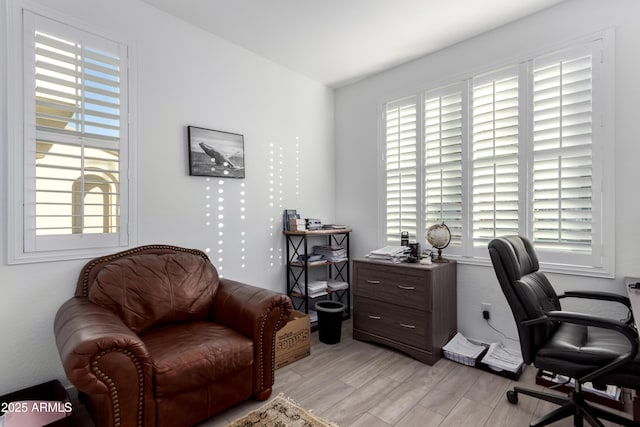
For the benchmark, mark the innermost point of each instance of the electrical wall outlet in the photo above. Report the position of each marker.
(486, 310)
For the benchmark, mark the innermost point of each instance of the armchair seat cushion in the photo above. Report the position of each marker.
(190, 355)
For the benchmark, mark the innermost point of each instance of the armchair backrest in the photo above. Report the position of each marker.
(152, 286)
(527, 290)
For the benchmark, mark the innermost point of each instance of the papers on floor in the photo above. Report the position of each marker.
(461, 350)
(500, 359)
(391, 253)
(611, 392)
(497, 358)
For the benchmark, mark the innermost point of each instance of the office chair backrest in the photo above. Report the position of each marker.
(527, 290)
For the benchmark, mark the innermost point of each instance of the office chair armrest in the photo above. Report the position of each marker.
(598, 295)
(602, 296)
(600, 322)
(587, 320)
(595, 321)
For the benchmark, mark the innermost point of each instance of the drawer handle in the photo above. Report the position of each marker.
(407, 326)
(407, 288)
(374, 282)
(374, 317)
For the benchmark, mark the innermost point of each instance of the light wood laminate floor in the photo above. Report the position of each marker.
(354, 383)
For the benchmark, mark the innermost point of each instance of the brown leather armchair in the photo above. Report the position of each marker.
(153, 337)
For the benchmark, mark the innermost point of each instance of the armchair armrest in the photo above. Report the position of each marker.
(102, 357)
(258, 314)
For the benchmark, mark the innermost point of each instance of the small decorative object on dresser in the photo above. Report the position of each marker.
(411, 307)
(439, 236)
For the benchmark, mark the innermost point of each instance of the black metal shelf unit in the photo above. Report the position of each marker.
(298, 272)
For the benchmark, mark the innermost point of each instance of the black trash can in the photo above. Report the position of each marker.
(330, 321)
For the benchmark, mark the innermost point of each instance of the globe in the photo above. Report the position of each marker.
(439, 236)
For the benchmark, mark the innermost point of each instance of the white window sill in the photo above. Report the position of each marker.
(574, 270)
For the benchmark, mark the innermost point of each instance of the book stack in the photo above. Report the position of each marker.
(313, 224)
(333, 227)
(297, 224)
(331, 253)
(291, 221)
(336, 285)
(316, 288)
(311, 259)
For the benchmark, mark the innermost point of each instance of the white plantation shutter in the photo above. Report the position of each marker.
(401, 168)
(75, 137)
(562, 187)
(495, 200)
(443, 133)
(524, 150)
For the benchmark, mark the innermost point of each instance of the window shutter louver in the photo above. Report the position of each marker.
(443, 162)
(80, 125)
(495, 184)
(562, 155)
(401, 168)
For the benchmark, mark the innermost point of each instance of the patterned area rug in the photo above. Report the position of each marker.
(280, 412)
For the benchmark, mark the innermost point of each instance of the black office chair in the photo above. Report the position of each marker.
(581, 346)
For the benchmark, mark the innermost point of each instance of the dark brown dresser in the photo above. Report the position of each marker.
(410, 307)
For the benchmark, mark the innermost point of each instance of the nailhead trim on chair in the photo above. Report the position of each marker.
(107, 258)
(261, 357)
(273, 353)
(115, 402)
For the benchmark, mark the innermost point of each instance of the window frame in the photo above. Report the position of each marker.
(602, 158)
(21, 127)
(399, 106)
(439, 93)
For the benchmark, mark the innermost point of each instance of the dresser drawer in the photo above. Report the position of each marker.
(394, 285)
(400, 324)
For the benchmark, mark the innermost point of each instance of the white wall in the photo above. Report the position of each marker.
(184, 77)
(357, 118)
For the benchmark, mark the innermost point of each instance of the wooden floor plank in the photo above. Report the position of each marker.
(411, 391)
(419, 416)
(362, 400)
(368, 420)
(446, 394)
(467, 413)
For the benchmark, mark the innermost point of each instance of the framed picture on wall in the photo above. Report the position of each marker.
(215, 153)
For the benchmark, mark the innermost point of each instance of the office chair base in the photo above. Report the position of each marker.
(572, 405)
